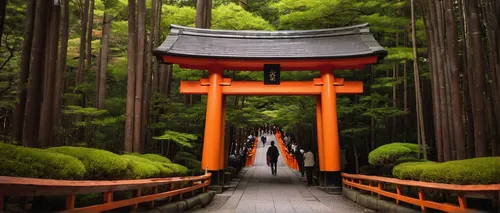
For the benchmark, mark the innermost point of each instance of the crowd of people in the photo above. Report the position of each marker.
(303, 155)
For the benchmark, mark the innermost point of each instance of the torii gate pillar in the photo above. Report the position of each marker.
(330, 140)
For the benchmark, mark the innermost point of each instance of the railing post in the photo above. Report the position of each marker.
(108, 197)
(70, 202)
(170, 188)
(421, 197)
(398, 191)
(462, 201)
(370, 184)
(137, 194)
(155, 191)
(379, 186)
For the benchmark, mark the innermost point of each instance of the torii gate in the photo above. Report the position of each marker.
(325, 50)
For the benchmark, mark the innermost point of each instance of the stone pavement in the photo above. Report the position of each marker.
(259, 191)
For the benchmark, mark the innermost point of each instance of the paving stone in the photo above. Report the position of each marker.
(259, 191)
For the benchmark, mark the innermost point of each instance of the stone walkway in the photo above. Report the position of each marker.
(259, 191)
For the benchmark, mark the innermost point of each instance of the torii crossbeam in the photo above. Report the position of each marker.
(324, 50)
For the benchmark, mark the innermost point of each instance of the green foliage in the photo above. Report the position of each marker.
(178, 170)
(470, 171)
(410, 170)
(233, 17)
(100, 164)
(182, 139)
(188, 160)
(156, 158)
(389, 153)
(36, 163)
(140, 168)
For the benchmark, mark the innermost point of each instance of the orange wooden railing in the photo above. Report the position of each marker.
(290, 160)
(375, 183)
(17, 186)
(251, 156)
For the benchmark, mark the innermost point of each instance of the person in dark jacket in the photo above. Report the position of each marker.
(300, 160)
(272, 154)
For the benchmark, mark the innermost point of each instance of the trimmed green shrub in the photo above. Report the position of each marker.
(100, 164)
(157, 158)
(36, 163)
(389, 153)
(484, 170)
(188, 160)
(408, 159)
(410, 170)
(141, 168)
(178, 170)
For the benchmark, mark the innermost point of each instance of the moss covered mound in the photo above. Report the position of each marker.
(470, 171)
(141, 168)
(410, 170)
(179, 170)
(100, 164)
(389, 153)
(156, 158)
(36, 163)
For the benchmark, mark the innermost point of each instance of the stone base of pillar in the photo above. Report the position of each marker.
(333, 182)
(217, 181)
(321, 179)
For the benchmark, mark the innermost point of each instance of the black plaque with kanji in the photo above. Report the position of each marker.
(271, 74)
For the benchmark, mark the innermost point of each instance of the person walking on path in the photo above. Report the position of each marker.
(300, 159)
(272, 154)
(309, 165)
(263, 139)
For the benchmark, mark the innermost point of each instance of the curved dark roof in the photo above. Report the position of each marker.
(352, 41)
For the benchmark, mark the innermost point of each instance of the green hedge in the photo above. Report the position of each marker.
(389, 153)
(100, 164)
(179, 170)
(140, 168)
(410, 170)
(470, 171)
(157, 158)
(36, 163)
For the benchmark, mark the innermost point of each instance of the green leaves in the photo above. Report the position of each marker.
(182, 139)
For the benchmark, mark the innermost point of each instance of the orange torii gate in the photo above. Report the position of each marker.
(324, 50)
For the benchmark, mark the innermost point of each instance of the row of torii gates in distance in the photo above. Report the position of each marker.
(324, 50)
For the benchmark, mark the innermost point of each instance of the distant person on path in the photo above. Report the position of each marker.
(309, 165)
(272, 154)
(263, 139)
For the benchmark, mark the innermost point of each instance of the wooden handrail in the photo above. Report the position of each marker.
(356, 181)
(440, 186)
(18, 186)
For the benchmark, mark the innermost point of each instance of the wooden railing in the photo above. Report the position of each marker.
(290, 160)
(375, 185)
(16, 186)
(251, 156)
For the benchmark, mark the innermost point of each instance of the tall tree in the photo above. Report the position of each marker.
(83, 38)
(129, 123)
(103, 60)
(61, 69)
(139, 84)
(89, 34)
(33, 99)
(451, 42)
(48, 95)
(21, 91)
(478, 78)
(416, 76)
(148, 74)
